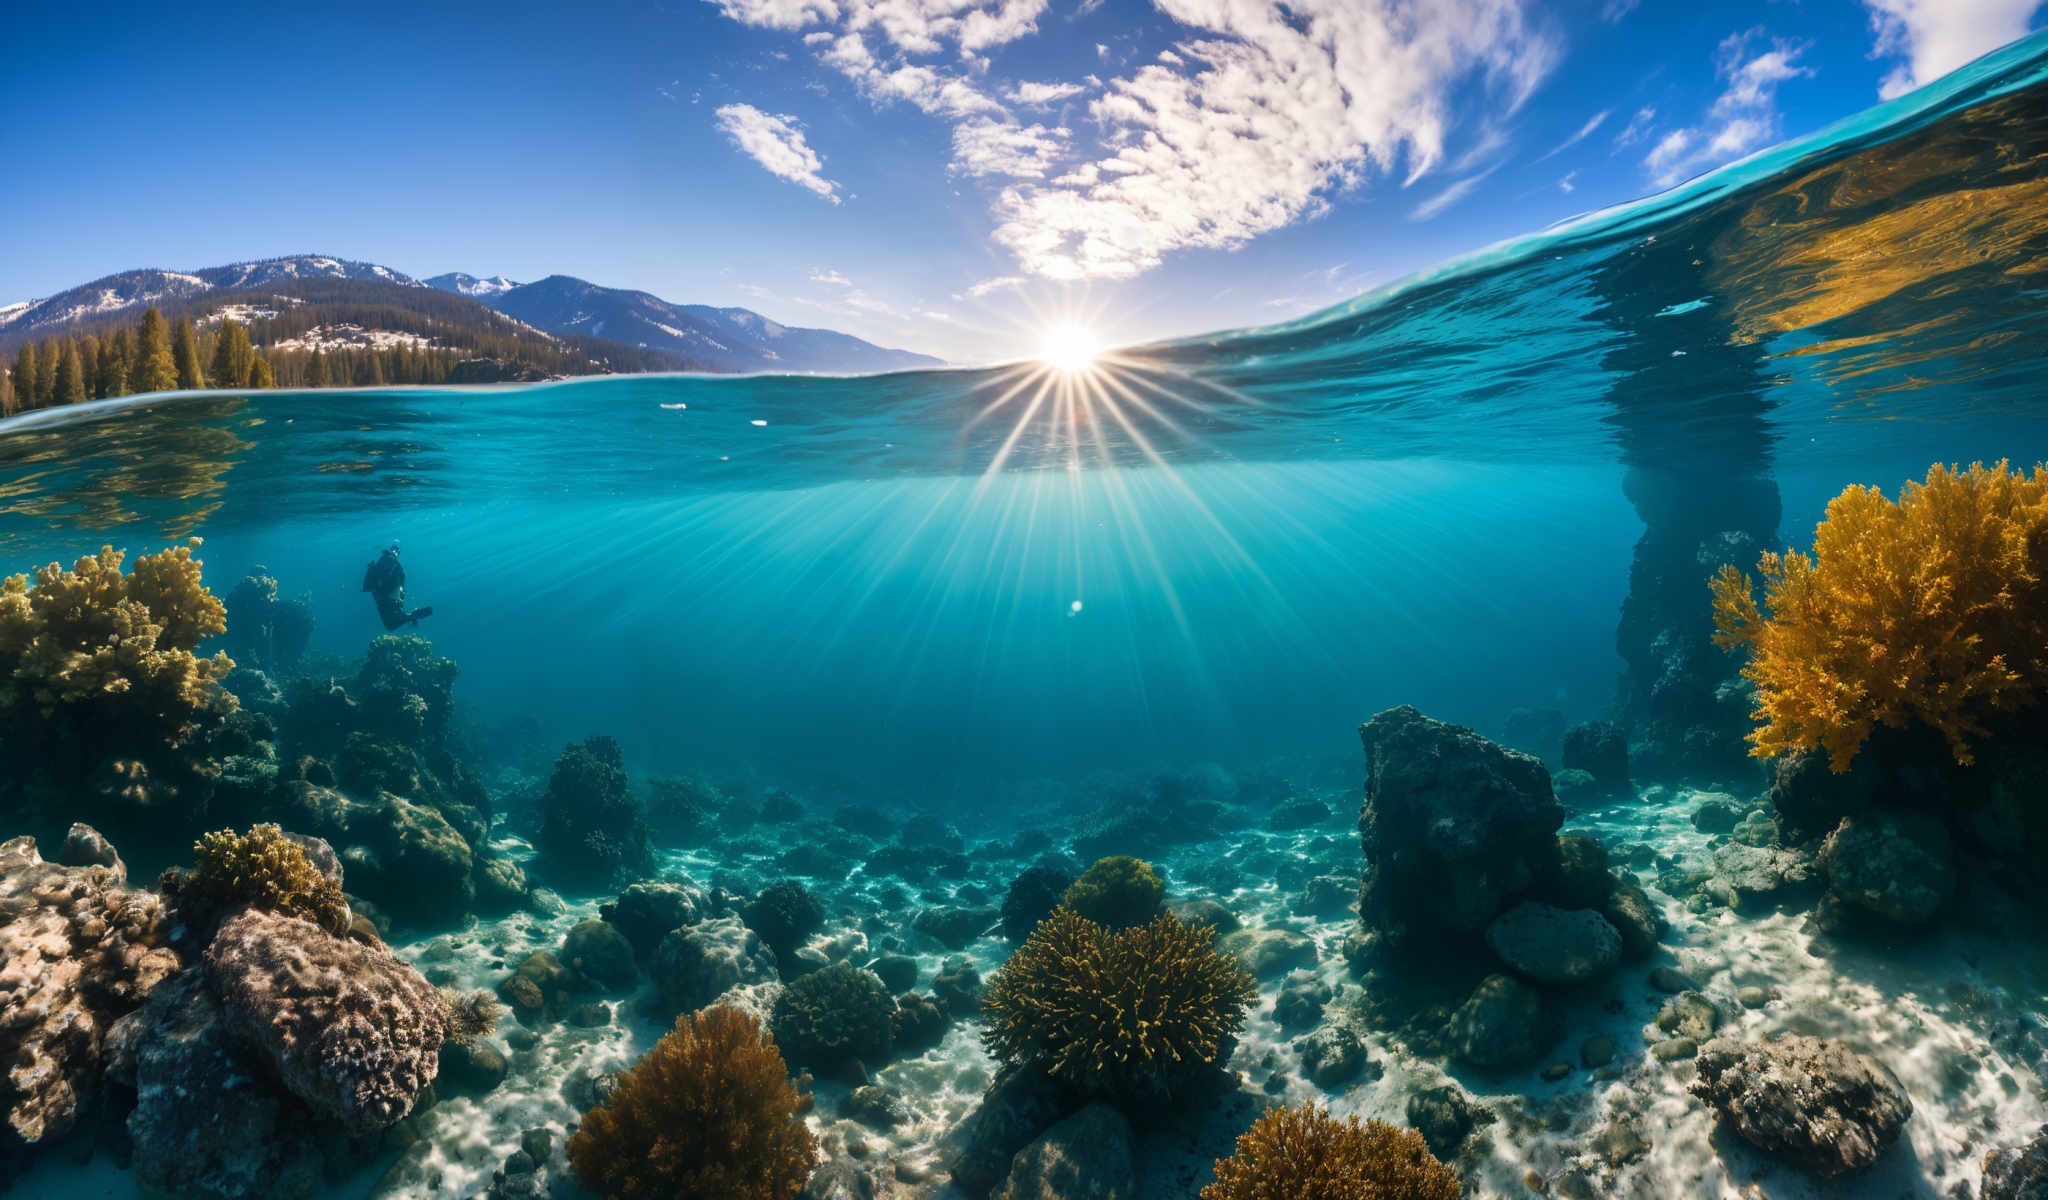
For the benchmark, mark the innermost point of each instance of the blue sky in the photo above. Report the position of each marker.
(946, 175)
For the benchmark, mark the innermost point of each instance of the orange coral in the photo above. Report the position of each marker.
(708, 1112)
(1928, 610)
(1307, 1154)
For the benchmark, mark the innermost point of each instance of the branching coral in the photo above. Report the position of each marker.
(1125, 1014)
(1931, 610)
(105, 650)
(269, 870)
(1306, 1154)
(708, 1112)
(834, 1020)
(469, 1016)
(1118, 891)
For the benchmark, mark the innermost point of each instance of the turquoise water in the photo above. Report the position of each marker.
(962, 592)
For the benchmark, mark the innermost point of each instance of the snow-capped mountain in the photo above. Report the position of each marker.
(136, 289)
(723, 339)
(470, 285)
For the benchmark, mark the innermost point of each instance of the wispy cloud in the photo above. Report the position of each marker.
(1038, 95)
(997, 284)
(1585, 131)
(1565, 184)
(1637, 129)
(777, 143)
(1937, 36)
(1744, 116)
(828, 275)
(1433, 207)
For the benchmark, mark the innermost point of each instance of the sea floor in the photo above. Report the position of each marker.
(1957, 1015)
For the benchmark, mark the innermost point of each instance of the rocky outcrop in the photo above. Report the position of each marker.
(80, 951)
(1555, 945)
(1752, 878)
(1020, 1105)
(1503, 1024)
(346, 1026)
(695, 965)
(1085, 1157)
(2018, 1172)
(646, 912)
(1600, 749)
(1899, 866)
(1455, 828)
(1817, 1105)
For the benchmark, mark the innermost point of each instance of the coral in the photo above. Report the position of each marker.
(1125, 1014)
(1306, 1154)
(469, 1016)
(708, 1112)
(835, 1020)
(91, 650)
(269, 870)
(347, 1027)
(1931, 610)
(1818, 1105)
(1118, 891)
(77, 951)
(591, 828)
(784, 914)
(263, 631)
(1033, 897)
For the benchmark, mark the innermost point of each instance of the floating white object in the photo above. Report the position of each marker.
(673, 406)
(758, 422)
(1074, 607)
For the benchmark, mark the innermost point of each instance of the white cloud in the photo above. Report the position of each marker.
(1937, 36)
(1585, 131)
(828, 275)
(997, 284)
(1743, 117)
(779, 14)
(1615, 10)
(1431, 208)
(1038, 95)
(988, 147)
(1565, 184)
(777, 143)
(1638, 128)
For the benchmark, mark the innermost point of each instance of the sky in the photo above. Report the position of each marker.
(953, 176)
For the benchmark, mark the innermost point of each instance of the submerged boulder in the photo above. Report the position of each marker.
(78, 951)
(695, 965)
(1088, 1156)
(1555, 945)
(1600, 749)
(1503, 1024)
(348, 1027)
(1021, 1104)
(1896, 865)
(2018, 1172)
(1817, 1105)
(646, 912)
(1455, 828)
(1754, 877)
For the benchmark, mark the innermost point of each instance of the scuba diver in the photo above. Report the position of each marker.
(385, 580)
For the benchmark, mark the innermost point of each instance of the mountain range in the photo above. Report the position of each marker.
(618, 326)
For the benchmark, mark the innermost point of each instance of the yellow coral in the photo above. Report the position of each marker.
(1306, 1154)
(266, 869)
(94, 642)
(1930, 610)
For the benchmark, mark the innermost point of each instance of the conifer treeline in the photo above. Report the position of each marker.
(157, 355)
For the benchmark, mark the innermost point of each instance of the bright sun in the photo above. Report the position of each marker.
(1069, 348)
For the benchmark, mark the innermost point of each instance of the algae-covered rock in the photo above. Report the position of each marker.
(1817, 1105)
(1503, 1024)
(1268, 953)
(2018, 1172)
(1754, 877)
(1600, 749)
(601, 954)
(696, 964)
(1088, 1156)
(646, 912)
(1555, 945)
(1896, 865)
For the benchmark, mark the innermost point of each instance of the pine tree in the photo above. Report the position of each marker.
(69, 386)
(316, 370)
(153, 370)
(6, 394)
(185, 355)
(231, 356)
(25, 377)
(111, 373)
(46, 370)
(260, 375)
(89, 365)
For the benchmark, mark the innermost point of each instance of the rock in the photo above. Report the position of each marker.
(500, 884)
(592, 1014)
(838, 1180)
(1328, 896)
(1600, 749)
(1269, 952)
(693, 966)
(349, 1029)
(78, 951)
(1810, 799)
(1674, 1049)
(1219, 919)
(1596, 1052)
(1689, 1015)
(1582, 879)
(1537, 731)
(1756, 829)
(1297, 815)
(1896, 865)
(600, 953)
(1753, 877)
(1622, 1140)
(955, 928)
(1020, 1105)
(1503, 1024)
(1752, 997)
(1454, 828)
(471, 1067)
(1032, 897)
(1445, 1116)
(897, 973)
(1671, 981)
(1817, 1105)
(540, 988)
(1301, 1002)
(645, 913)
(874, 1107)
(84, 847)
(918, 1024)
(1085, 1157)
(1635, 917)
(1717, 812)
(1576, 788)
(1555, 1071)
(2019, 1172)
(403, 856)
(243, 1141)
(957, 988)
(1332, 1056)
(1555, 945)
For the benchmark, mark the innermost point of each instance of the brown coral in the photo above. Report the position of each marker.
(708, 1112)
(1126, 1013)
(100, 646)
(1306, 1154)
(267, 868)
(1930, 610)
